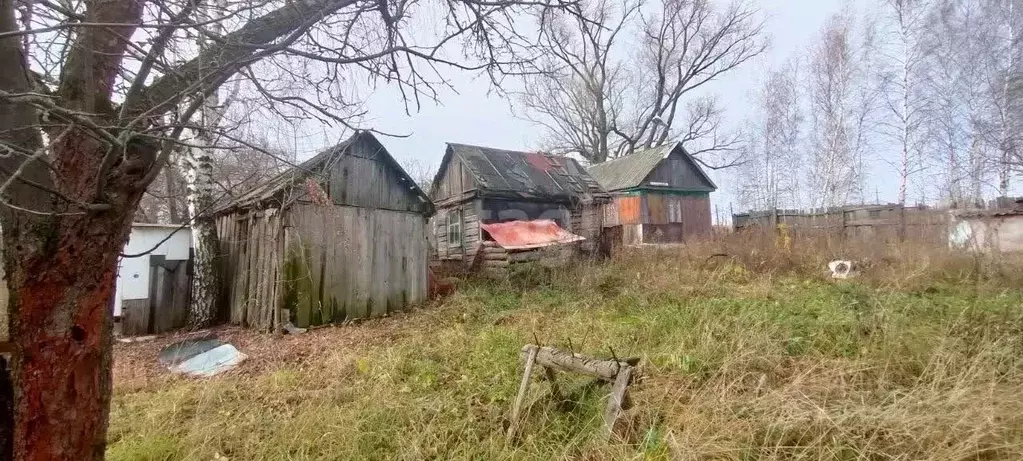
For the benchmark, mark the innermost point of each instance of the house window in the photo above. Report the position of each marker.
(455, 229)
(875, 214)
(675, 209)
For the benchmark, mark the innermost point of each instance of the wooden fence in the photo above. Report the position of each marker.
(857, 222)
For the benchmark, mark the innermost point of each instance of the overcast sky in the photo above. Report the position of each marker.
(473, 116)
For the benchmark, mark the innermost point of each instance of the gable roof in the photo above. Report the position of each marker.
(319, 163)
(512, 174)
(629, 171)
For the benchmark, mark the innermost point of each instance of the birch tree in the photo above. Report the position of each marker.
(770, 175)
(841, 107)
(905, 100)
(85, 115)
(956, 85)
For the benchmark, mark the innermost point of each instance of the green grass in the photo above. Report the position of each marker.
(737, 365)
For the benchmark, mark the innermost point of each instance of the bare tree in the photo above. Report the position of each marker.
(93, 103)
(769, 176)
(1005, 18)
(583, 99)
(906, 50)
(955, 86)
(578, 95)
(841, 110)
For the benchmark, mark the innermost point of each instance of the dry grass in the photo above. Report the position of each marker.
(753, 355)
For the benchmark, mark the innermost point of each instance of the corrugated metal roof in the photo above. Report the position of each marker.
(521, 235)
(629, 171)
(514, 174)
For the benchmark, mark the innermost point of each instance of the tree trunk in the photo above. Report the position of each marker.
(198, 167)
(60, 295)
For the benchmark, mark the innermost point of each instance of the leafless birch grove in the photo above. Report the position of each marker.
(923, 95)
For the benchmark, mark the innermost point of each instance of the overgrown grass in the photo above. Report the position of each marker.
(919, 358)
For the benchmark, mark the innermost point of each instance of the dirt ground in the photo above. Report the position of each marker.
(136, 367)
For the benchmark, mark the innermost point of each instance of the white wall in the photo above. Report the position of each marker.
(133, 273)
(983, 234)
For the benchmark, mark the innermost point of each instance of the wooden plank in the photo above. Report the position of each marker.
(396, 263)
(380, 262)
(363, 230)
(616, 402)
(527, 372)
(135, 317)
(255, 272)
(269, 304)
(568, 361)
(241, 273)
(630, 209)
(301, 280)
(159, 293)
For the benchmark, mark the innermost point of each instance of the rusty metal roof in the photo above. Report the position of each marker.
(629, 171)
(521, 235)
(524, 175)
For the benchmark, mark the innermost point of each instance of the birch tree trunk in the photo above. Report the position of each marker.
(197, 165)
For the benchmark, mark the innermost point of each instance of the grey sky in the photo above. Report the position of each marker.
(473, 116)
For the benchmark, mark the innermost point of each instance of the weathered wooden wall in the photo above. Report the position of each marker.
(455, 180)
(867, 223)
(678, 171)
(672, 215)
(466, 249)
(587, 221)
(252, 249)
(352, 262)
(364, 178)
(166, 308)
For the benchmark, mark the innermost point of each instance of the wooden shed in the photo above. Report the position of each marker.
(341, 236)
(476, 186)
(154, 280)
(661, 195)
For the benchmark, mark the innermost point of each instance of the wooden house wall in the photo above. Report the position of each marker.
(586, 221)
(251, 254)
(630, 209)
(470, 231)
(696, 219)
(351, 262)
(455, 181)
(364, 178)
(678, 172)
(692, 213)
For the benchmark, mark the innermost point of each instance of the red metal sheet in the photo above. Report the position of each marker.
(520, 235)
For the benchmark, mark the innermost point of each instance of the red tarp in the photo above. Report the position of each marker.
(521, 235)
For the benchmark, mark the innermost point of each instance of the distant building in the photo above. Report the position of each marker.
(661, 195)
(987, 231)
(341, 236)
(154, 281)
(528, 200)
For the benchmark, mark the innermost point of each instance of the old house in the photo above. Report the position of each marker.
(661, 195)
(341, 236)
(510, 202)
